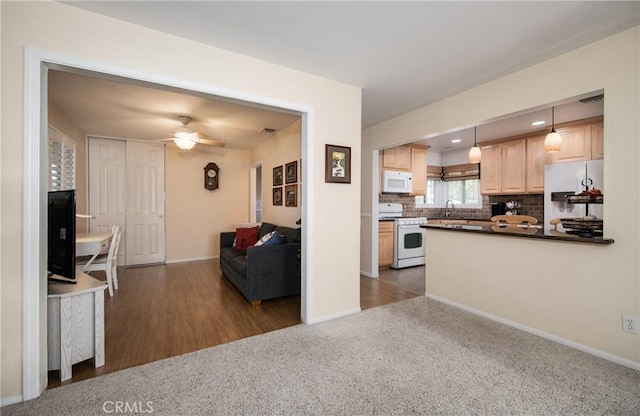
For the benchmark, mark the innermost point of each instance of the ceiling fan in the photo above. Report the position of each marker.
(185, 137)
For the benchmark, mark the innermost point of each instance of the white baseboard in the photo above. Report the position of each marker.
(191, 259)
(367, 274)
(572, 344)
(6, 401)
(335, 316)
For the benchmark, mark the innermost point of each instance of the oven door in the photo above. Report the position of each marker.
(409, 246)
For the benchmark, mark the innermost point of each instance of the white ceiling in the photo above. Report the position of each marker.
(403, 55)
(133, 110)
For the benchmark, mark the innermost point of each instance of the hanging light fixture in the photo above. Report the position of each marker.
(553, 141)
(475, 154)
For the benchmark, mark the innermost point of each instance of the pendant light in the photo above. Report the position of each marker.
(553, 141)
(475, 154)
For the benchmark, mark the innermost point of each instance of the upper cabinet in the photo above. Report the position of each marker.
(490, 169)
(576, 144)
(502, 168)
(536, 159)
(419, 170)
(517, 166)
(597, 140)
(513, 166)
(408, 158)
(397, 158)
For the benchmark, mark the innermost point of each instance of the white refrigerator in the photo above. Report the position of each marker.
(571, 178)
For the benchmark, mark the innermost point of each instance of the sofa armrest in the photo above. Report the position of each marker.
(226, 238)
(273, 271)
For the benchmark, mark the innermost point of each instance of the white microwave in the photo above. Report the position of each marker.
(396, 182)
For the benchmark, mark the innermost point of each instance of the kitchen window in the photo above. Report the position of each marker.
(464, 193)
(459, 183)
(62, 161)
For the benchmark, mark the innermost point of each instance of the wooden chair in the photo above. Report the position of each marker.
(107, 262)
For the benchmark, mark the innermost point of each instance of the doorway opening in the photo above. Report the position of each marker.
(256, 193)
(37, 64)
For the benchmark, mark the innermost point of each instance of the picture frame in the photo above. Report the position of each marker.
(291, 172)
(291, 195)
(337, 168)
(277, 196)
(277, 175)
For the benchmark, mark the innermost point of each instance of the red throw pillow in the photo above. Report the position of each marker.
(246, 237)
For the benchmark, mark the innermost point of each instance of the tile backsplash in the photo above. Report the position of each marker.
(530, 204)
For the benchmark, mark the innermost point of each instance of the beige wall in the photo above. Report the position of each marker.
(572, 291)
(98, 41)
(195, 216)
(284, 147)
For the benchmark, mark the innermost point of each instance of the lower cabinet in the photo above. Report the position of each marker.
(385, 243)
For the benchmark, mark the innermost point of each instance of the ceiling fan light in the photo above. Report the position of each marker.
(184, 143)
(475, 154)
(183, 132)
(552, 142)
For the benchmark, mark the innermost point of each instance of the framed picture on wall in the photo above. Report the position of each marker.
(277, 176)
(291, 195)
(291, 170)
(277, 196)
(337, 167)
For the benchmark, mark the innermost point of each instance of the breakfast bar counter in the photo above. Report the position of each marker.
(520, 232)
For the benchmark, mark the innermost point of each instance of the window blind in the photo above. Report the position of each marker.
(434, 172)
(62, 161)
(461, 172)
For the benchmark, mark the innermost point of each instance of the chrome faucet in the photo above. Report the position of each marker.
(448, 212)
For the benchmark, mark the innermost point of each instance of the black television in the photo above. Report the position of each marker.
(61, 236)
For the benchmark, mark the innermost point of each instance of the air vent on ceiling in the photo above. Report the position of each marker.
(594, 99)
(267, 130)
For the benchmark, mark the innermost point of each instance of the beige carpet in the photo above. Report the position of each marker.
(413, 357)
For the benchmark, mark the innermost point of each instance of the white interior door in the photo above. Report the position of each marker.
(145, 236)
(107, 186)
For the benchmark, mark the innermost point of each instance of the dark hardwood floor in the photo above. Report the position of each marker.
(167, 310)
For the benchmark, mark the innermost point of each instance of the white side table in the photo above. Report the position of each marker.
(75, 323)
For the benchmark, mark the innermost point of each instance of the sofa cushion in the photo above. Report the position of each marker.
(228, 253)
(270, 239)
(239, 264)
(266, 228)
(246, 237)
(291, 235)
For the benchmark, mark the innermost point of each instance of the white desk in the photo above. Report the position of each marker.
(75, 323)
(92, 244)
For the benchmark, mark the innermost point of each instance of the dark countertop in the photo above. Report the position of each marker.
(539, 233)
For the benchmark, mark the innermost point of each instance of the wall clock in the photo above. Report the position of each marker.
(211, 176)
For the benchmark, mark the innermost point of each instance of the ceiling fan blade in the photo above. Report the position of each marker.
(200, 136)
(209, 142)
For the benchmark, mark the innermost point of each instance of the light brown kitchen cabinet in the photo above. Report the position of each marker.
(513, 169)
(397, 158)
(576, 144)
(536, 159)
(490, 173)
(597, 140)
(502, 168)
(385, 243)
(419, 170)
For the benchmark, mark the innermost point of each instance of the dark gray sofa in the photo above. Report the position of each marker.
(264, 272)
